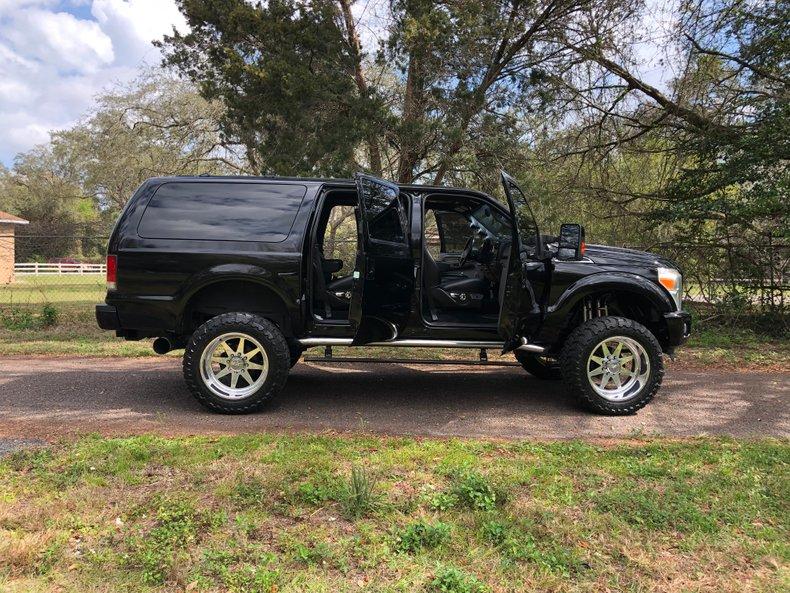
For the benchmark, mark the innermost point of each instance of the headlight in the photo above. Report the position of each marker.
(671, 279)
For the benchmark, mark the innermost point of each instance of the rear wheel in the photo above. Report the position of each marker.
(539, 366)
(613, 365)
(236, 362)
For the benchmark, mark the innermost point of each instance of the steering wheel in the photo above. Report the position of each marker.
(465, 253)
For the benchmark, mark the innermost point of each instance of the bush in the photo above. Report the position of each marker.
(420, 535)
(49, 315)
(19, 319)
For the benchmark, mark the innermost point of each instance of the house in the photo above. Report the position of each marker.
(8, 223)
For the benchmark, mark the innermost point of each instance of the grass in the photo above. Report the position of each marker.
(53, 315)
(63, 289)
(266, 513)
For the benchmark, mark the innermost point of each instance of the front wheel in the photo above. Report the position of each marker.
(236, 362)
(612, 365)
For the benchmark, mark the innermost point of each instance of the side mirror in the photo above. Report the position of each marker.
(571, 243)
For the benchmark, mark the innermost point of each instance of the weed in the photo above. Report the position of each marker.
(443, 501)
(418, 536)
(474, 491)
(249, 492)
(237, 576)
(176, 528)
(358, 497)
(494, 532)
(314, 554)
(15, 318)
(453, 580)
(314, 494)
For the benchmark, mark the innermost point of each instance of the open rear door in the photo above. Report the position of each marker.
(520, 314)
(384, 272)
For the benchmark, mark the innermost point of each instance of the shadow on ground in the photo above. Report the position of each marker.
(50, 397)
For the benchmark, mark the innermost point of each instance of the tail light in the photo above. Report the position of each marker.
(112, 272)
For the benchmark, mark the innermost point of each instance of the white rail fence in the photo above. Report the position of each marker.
(37, 269)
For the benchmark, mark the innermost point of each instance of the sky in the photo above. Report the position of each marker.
(57, 55)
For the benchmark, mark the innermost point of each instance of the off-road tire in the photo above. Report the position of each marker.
(578, 347)
(538, 366)
(273, 342)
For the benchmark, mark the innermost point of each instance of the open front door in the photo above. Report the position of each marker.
(384, 271)
(520, 313)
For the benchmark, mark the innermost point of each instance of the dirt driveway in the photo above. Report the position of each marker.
(51, 397)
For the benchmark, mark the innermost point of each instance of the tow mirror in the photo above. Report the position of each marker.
(571, 244)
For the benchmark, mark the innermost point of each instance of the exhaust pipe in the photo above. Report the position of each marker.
(164, 345)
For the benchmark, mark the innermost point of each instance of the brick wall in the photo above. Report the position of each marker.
(6, 253)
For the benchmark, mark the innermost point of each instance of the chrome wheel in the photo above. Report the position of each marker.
(234, 366)
(618, 368)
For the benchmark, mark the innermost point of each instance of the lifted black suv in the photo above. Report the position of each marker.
(246, 272)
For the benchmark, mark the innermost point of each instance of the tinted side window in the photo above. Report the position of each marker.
(455, 231)
(222, 211)
(385, 212)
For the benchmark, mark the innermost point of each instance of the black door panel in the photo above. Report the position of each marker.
(520, 314)
(384, 272)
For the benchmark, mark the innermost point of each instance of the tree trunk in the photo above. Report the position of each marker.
(374, 154)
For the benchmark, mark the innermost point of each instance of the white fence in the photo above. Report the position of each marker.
(36, 268)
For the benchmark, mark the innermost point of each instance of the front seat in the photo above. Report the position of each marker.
(451, 291)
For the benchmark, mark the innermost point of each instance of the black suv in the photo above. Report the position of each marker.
(247, 272)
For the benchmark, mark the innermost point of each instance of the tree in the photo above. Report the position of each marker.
(74, 186)
(157, 125)
(288, 76)
(453, 81)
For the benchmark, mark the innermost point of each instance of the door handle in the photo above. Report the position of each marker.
(532, 265)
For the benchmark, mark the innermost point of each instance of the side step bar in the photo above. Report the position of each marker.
(310, 342)
(476, 363)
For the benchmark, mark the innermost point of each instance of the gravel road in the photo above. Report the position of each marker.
(46, 398)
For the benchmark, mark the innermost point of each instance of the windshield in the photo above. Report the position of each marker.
(496, 223)
(526, 224)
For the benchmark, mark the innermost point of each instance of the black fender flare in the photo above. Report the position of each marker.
(252, 274)
(610, 282)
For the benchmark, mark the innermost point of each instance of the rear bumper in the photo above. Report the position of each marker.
(678, 327)
(107, 317)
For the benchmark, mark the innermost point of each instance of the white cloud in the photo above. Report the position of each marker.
(57, 55)
(58, 39)
(134, 24)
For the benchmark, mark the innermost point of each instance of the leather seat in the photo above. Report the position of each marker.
(451, 290)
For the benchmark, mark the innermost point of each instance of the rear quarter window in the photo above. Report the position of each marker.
(222, 211)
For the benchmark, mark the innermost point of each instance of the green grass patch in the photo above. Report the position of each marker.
(269, 513)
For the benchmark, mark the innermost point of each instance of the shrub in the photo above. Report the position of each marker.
(420, 535)
(49, 315)
(358, 498)
(453, 580)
